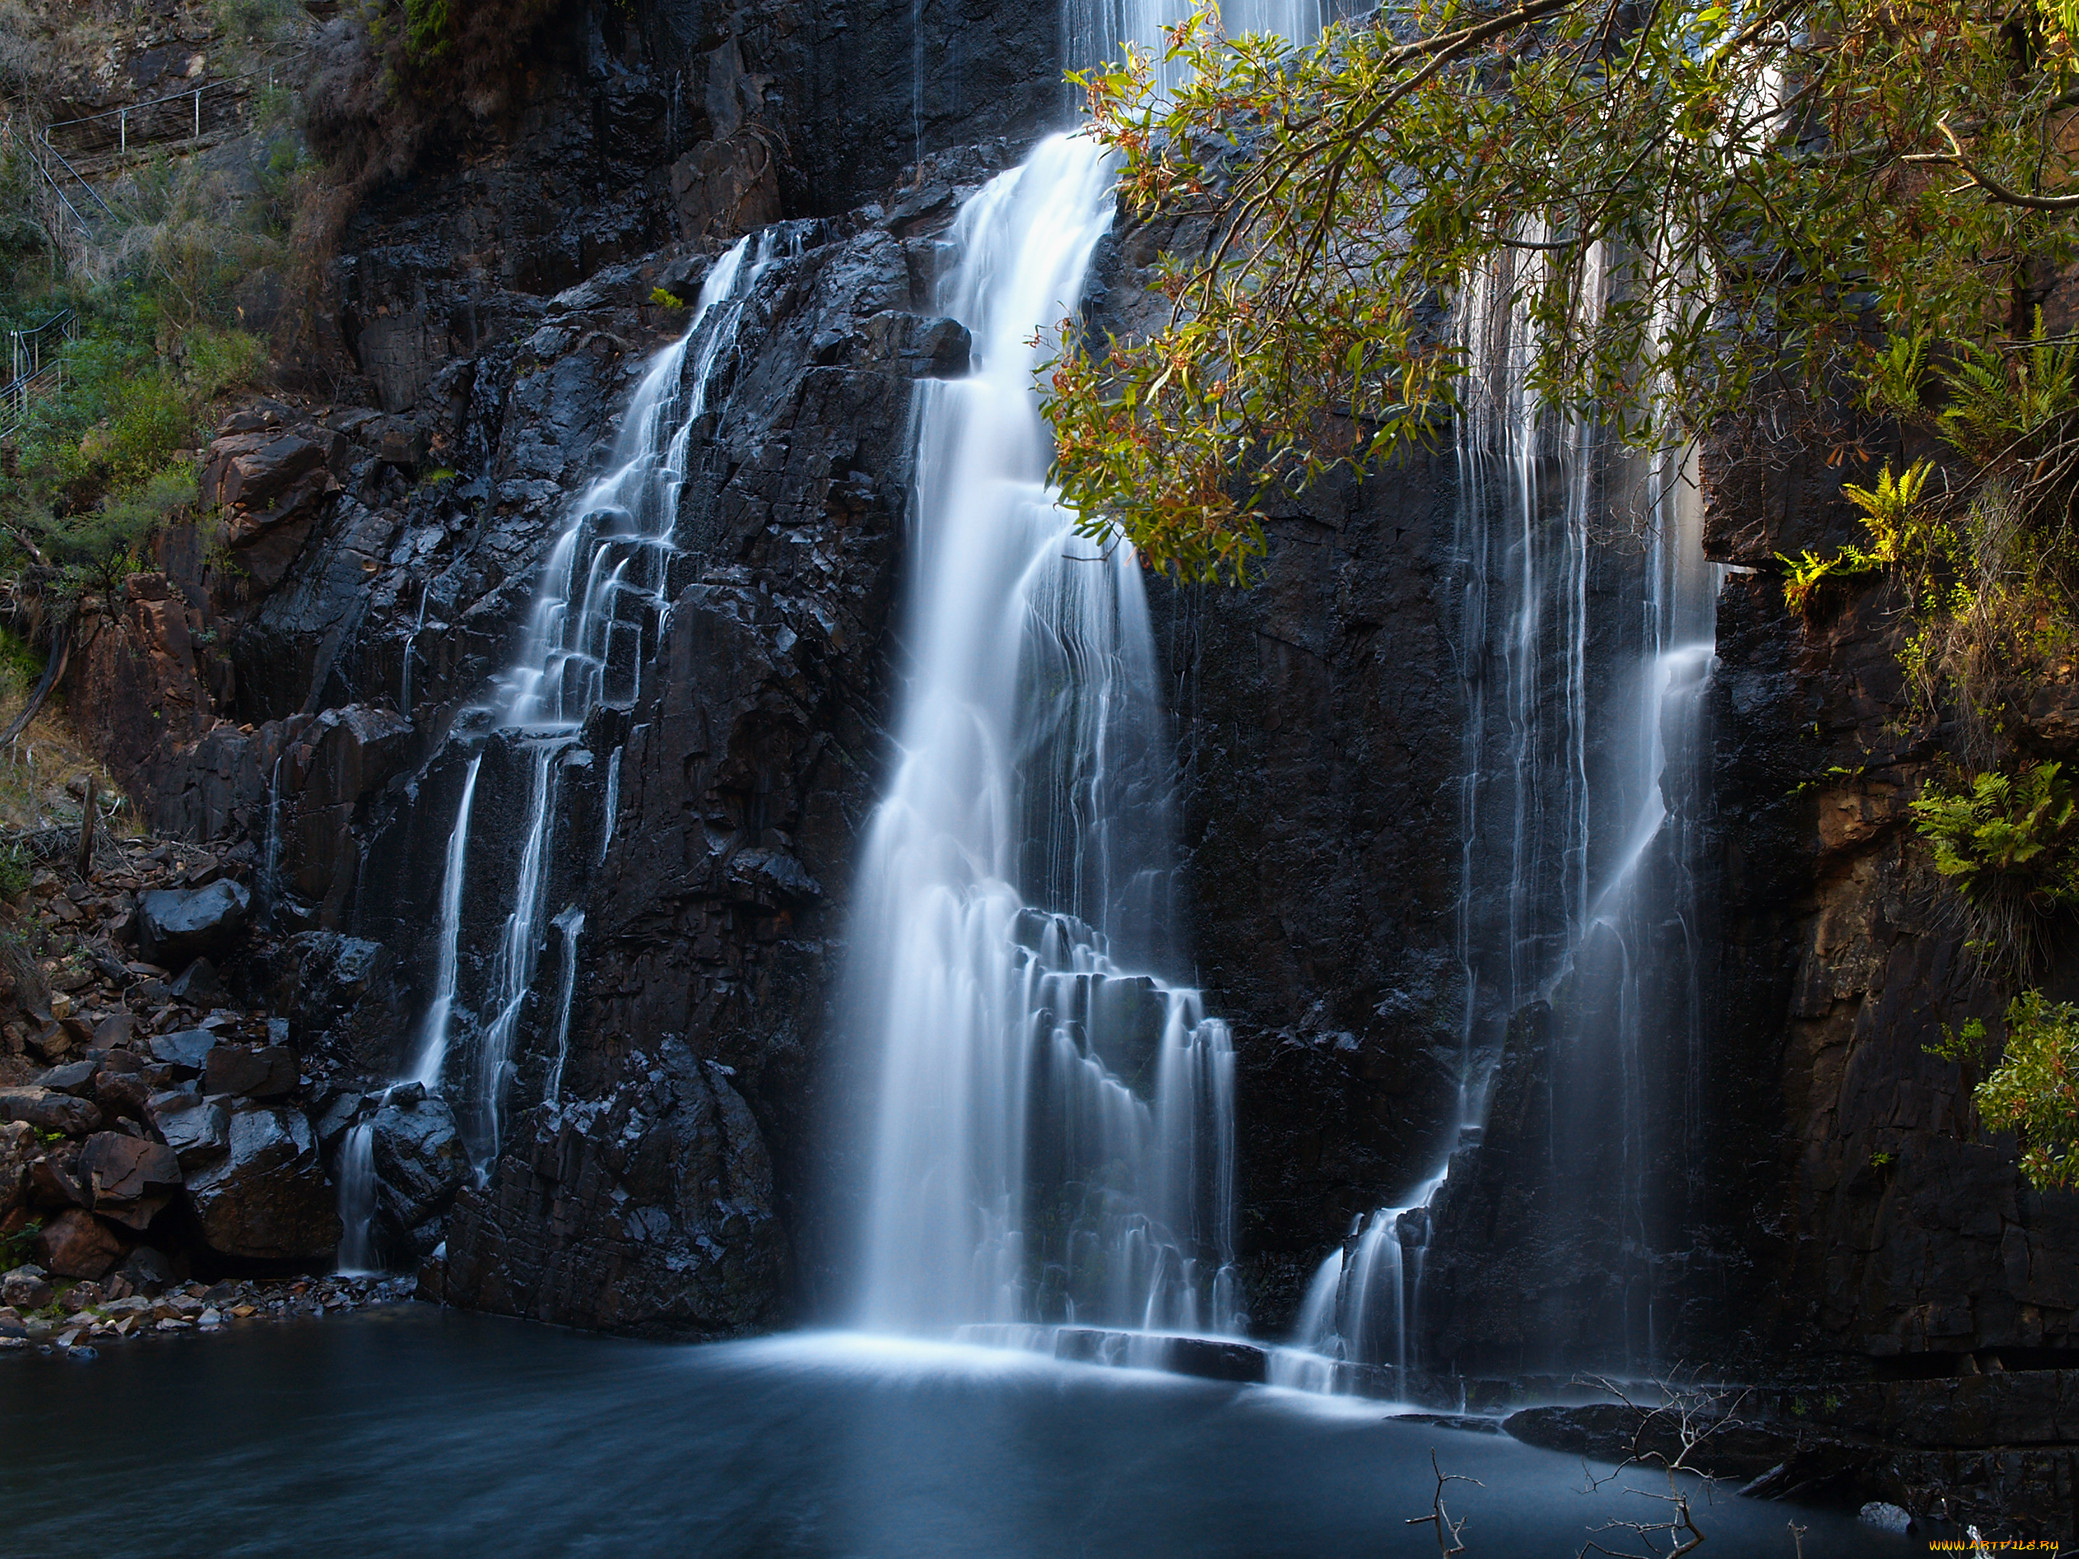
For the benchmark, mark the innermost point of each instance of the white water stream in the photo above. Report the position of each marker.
(599, 611)
(1052, 1136)
(1586, 626)
(1053, 1132)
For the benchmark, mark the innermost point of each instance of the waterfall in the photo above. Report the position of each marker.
(599, 612)
(356, 1176)
(1585, 629)
(1094, 31)
(1052, 1136)
(600, 607)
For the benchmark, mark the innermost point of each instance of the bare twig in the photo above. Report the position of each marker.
(1693, 1415)
(1439, 1519)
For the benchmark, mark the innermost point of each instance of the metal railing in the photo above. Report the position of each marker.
(15, 398)
(29, 374)
(178, 116)
(41, 157)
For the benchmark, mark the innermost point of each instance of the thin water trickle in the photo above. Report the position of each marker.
(598, 614)
(271, 857)
(411, 640)
(571, 925)
(1583, 657)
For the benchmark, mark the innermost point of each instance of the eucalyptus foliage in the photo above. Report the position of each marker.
(1699, 208)
(2034, 1091)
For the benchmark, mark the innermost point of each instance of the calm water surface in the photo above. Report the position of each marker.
(416, 1431)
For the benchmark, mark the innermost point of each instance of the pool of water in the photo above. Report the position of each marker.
(416, 1431)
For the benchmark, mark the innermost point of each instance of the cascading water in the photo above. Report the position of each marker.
(598, 613)
(1053, 1137)
(1583, 659)
(602, 601)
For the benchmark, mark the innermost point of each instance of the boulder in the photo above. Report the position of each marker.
(268, 1198)
(185, 1050)
(251, 1071)
(197, 1130)
(55, 1179)
(76, 1244)
(129, 1178)
(419, 1166)
(147, 1270)
(252, 468)
(48, 1111)
(198, 985)
(114, 1031)
(74, 1077)
(122, 1094)
(26, 1288)
(178, 925)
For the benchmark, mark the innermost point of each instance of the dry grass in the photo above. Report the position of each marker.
(35, 772)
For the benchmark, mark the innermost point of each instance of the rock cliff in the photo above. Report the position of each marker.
(665, 1170)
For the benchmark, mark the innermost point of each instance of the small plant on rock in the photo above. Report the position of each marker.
(2034, 1091)
(14, 870)
(2009, 842)
(16, 1248)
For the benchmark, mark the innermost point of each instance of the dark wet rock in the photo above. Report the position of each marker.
(197, 1130)
(344, 1007)
(185, 1050)
(251, 1071)
(419, 1165)
(48, 1111)
(76, 1244)
(268, 1198)
(129, 1179)
(649, 1213)
(179, 925)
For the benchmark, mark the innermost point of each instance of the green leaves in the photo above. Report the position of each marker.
(1697, 209)
(2006, 833)
(2034, 1091)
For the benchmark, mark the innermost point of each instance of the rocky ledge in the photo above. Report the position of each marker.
(41, 1314)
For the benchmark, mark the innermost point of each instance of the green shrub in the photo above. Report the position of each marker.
(2006, 834)
(428, 32)
(14, 870)
(255, 21)
(18, 1247)
(2034, 1091)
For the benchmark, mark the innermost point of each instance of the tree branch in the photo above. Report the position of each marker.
(1993, 188)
